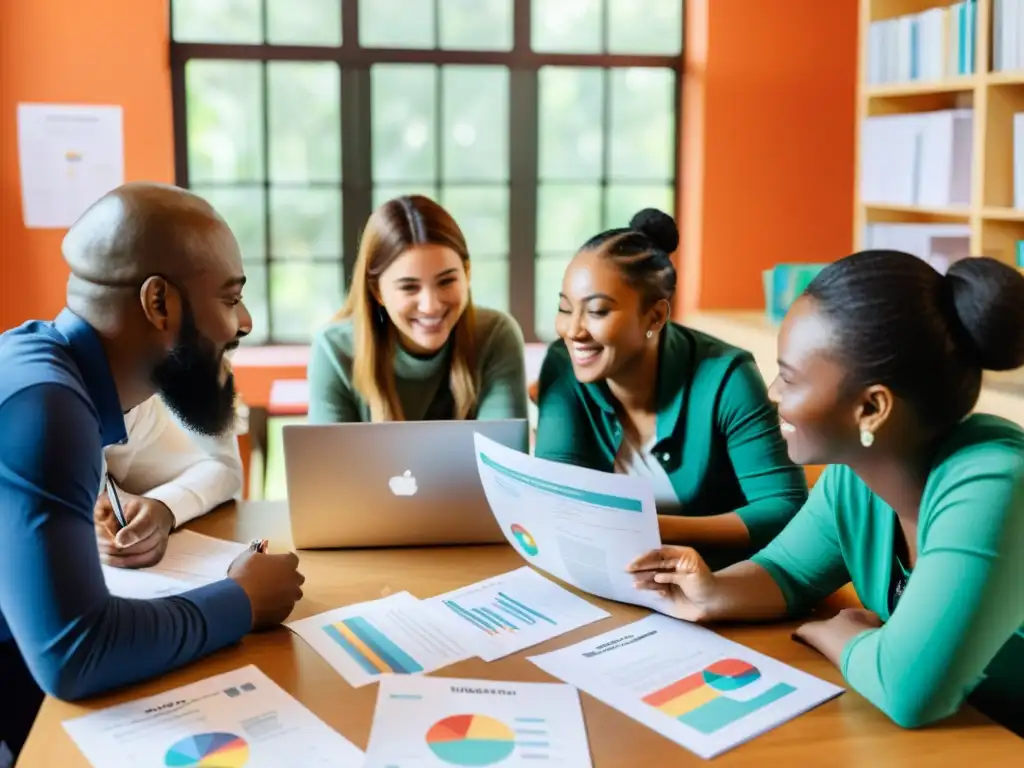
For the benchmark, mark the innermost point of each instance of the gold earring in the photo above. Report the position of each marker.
(867, 438)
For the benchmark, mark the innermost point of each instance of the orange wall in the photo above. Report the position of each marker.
(60, 51)
(767, 161)
(768, 142)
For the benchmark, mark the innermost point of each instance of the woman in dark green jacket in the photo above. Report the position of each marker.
(626, 390)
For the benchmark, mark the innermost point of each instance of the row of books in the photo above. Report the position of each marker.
(936, 44)
(1008, 35)
(918, 158)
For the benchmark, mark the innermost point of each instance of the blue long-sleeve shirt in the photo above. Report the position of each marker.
(58, 408)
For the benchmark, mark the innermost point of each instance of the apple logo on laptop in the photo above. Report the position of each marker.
(403, 485)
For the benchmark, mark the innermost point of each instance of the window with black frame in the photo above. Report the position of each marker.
(535, 122)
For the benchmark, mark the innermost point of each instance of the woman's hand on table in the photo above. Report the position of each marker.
(830, 636)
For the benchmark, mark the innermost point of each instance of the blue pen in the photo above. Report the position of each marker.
(115, 501)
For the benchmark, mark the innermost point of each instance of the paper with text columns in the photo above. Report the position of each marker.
(580, 525)
(694, 687)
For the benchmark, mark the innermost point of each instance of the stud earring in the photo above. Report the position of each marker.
(867, 438)
(649, 334)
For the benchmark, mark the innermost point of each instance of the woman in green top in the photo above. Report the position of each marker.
(628, 391)
(409, 345)
(880, 364)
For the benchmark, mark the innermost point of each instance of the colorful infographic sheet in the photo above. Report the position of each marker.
(514, 611)
(581, 526)
(444, 722)
(396, 635)
(698, 689)
(241, 719)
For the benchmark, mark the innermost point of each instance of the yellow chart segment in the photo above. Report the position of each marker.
(484, 727)
(236, 757)
(689, 701)
(373, 658)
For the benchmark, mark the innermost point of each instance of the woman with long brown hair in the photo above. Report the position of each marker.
(409, 345)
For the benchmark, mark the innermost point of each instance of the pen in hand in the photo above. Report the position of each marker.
(115, 502)
(258, 545)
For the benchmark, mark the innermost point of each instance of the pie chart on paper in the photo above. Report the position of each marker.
(471, 740)
(526, 541)
(209, 750)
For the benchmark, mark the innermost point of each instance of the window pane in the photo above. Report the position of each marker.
(384, 192)
(566, 26)
(643, 124)
(217, 21)
(303, 297)
(570, 123)
(567, 216)
(482, 215)
(396, 23)
(623, 200)
(546, 287)
(304, 22)
(476, 25)
(404, 99)
(305, 223)
(489, 282)
(254, 295)
(475, 123)
(305, 121)
(243, 210)
(645, 26)
(225, 124)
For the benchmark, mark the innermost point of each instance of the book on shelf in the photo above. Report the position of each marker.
(918, 158)
(938, 244)
(1007, 35)
(930, 46)
(783, 285)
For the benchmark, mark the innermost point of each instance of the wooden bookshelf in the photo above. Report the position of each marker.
(995, 225)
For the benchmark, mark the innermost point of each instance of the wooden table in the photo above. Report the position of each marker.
(847, 731)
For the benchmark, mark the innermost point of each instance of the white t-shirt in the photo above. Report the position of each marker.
(643, 463)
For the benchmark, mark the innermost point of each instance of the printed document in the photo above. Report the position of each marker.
(694, 687)
(516, 610)
(191, 560)
(581, 526)
(69, 156)
(240, 718)
(396, 635)
(437, 721)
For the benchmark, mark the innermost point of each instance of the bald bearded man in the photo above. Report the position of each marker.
(153, 303)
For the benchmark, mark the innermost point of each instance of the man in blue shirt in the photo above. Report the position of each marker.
(153, 303)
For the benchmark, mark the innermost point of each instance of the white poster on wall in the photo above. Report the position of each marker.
(69, 156)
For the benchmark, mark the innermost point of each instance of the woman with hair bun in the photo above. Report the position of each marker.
(922, 508)
(626, 390)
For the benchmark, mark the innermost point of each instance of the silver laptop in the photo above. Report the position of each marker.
(403, 483)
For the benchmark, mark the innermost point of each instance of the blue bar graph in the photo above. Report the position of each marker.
(502, 614)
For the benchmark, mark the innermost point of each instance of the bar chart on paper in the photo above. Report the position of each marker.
(516, 610)
(396, 635)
